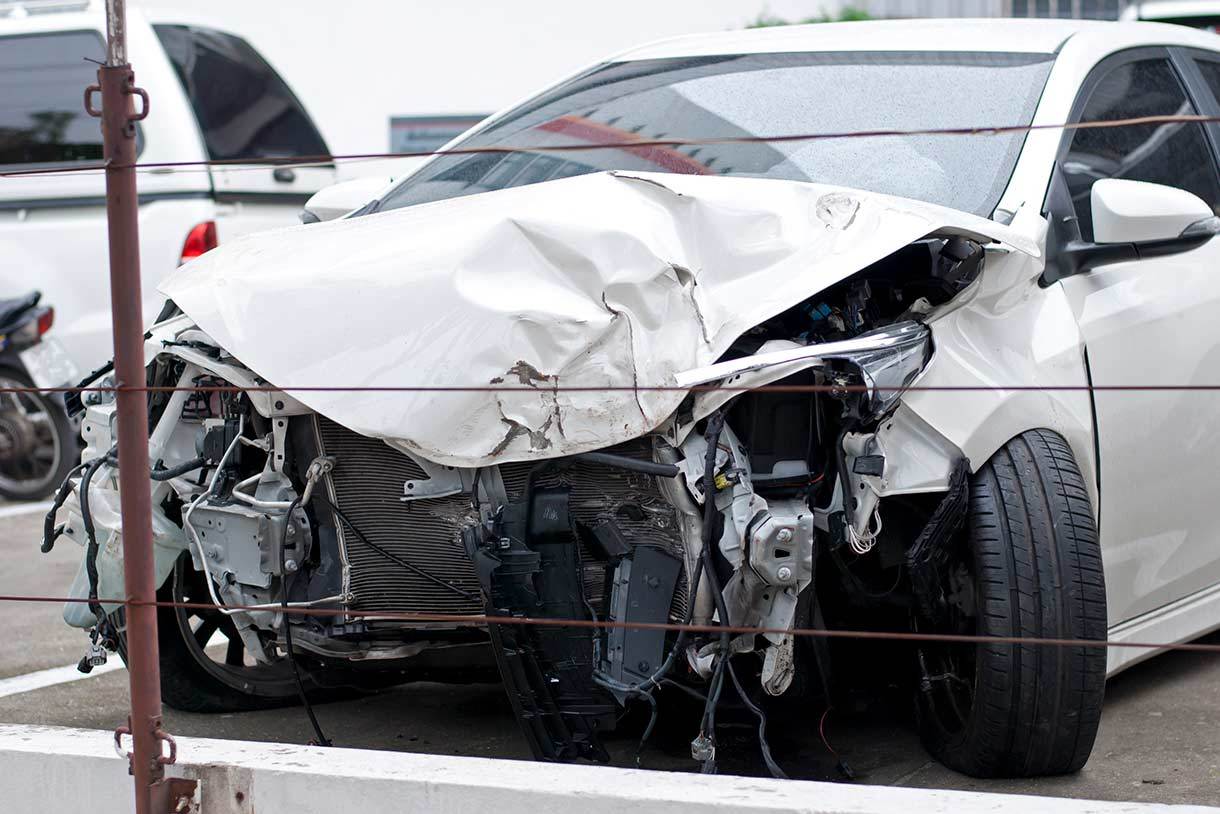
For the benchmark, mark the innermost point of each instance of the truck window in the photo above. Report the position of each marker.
(42, 114)
(243, 107)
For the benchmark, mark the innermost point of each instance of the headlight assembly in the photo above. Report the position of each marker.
(888, 361)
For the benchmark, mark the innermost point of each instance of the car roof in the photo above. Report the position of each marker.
(994, 35)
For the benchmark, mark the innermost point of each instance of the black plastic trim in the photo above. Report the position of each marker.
(295, 198)
(100, 200)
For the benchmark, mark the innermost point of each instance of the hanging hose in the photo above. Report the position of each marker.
(160, 474)
(644, 688)
(707, 728)
(763, 746)
(91, 547)
(654, 681)
(51, 532)
(320, 737)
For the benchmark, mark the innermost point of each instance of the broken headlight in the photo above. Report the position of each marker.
(889, 361)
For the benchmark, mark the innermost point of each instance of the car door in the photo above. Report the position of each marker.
(1151, 322)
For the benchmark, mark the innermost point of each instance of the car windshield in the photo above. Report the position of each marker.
(766, 95)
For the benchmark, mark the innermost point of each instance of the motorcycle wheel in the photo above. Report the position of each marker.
(38, 445)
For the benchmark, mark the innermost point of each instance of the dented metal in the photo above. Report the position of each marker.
(551, 295)
(513, 373)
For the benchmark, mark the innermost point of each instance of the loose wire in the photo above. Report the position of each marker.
(415, 569)
(764, 747)
(321, 739)
(480, 620)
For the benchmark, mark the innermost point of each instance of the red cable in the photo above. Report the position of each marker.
(264, 161)
(480, 620)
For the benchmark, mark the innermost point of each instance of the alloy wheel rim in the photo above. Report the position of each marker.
(949, 669)
(198, 627)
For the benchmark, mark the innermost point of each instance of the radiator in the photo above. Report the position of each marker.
(367, 482)
(368, 486)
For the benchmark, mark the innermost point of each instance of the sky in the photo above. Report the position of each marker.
(356, 63)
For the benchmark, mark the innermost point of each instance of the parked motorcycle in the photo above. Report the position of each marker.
(38, 443)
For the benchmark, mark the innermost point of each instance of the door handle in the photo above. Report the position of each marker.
(285, 175)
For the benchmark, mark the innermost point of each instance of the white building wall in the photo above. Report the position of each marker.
(1088, 9)
(932, 8)
(357, 63)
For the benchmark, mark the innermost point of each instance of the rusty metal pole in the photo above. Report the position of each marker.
(116, 81)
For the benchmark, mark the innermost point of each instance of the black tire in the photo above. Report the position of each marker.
(1034, 563)
(192, 681)
(41, 454)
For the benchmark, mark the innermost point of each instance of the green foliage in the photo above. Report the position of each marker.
(847, 14)
(851, 14)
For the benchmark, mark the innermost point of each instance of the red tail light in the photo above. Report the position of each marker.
(45, 320)
(200, 239)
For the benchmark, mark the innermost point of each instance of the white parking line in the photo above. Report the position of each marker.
(28, 682)
(56, 675)
(18, 509)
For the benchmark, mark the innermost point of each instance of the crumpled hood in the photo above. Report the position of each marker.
(608, 280)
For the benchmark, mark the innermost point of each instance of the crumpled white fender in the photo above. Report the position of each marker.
(510, 298)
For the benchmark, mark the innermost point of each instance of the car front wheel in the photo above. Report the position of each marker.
(205, 666)
(1027, 564)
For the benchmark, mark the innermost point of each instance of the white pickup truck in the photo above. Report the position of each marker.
(213, 97)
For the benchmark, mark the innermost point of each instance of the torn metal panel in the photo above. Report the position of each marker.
(606, 280)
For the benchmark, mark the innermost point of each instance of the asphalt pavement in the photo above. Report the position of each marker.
(1159, 739)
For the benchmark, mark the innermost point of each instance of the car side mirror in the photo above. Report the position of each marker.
(1136, 220)
(337, 200)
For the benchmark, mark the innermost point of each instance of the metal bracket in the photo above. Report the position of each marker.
(89, 108)
(175, 795)
(119, 732)
(442, 481)
(129, 88)
(160, 734)
(319, 468)
(279, 437)
(164, 737)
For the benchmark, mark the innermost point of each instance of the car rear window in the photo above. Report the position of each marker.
(243, 106)
(42, 111)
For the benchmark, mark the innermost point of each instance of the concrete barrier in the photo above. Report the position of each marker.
(50, 770)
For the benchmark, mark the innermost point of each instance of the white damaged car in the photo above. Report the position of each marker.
(805, 383)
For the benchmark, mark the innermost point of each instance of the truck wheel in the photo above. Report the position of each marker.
(1027, 565)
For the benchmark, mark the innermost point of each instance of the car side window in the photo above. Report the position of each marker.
(42, 119)
(1174, 154)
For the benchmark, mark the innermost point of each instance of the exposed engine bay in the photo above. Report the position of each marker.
(772, 509)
